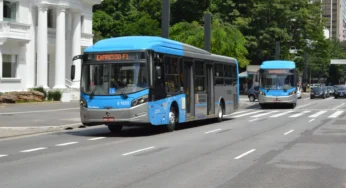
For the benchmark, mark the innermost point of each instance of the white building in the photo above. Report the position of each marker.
(38, 39)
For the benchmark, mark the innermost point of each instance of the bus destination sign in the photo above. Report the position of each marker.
(118, 56)
(278, 71)
(112, 57)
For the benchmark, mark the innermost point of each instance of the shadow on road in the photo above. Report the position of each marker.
(102, 131)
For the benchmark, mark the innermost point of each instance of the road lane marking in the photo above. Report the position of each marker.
(215, 130)
(253, 120)
(3, 156)
(299, 114)
(263, 114)
(304, 105)
(97, 138)
(31, 150)
(66, 144)
(317, 114)
(336, 114)
(281, 114)
(311, 120)
(132, 152)
(38, 111)
(244, 154)
(288, 132)
(237, 113)
(247, 114)
(338, 106)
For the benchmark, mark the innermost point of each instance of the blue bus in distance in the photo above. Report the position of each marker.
(146, 80)
(278, 83)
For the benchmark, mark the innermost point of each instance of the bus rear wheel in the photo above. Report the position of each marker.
(115, 128)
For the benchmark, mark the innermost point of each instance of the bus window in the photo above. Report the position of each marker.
(228, 74)
(219, 74)
(172, 79)
(199, 76)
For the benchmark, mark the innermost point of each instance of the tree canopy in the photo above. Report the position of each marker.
(244, 29)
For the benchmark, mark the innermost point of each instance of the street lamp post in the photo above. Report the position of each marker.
(165, 18)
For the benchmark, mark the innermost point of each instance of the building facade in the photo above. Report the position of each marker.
(334, 11)
(38, 39)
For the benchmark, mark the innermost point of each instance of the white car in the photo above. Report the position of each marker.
(299, 93)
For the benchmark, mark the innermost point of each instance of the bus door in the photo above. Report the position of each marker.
(188, 88)
(210, 89)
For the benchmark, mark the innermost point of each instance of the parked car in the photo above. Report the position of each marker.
(299, 92)
(318, 92)
(331, 90)
(253, 93)
(340, 91)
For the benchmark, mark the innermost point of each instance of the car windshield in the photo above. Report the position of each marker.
(113, 79)
(276, 82)
(316, 89)
(340, 87)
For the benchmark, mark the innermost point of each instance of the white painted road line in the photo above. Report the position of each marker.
(244, 154)
(317, 114)
(311, 120)
(336, 114)
(281, 114)
(31, 150)
(338, 106)
(253, 120)
(304, 105)
(3, 156)
(216, 130)
(238, 112)
(264, 114)
(286, 133)
(97, 138)
(39, 111)
(66, 144)
(132, 152)
(241, 115)
(299, 114)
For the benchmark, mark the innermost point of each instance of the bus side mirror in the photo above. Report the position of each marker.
(73, 69)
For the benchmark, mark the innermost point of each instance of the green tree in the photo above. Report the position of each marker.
(188, 10)
(226, 39)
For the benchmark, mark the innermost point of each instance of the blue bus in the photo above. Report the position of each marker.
(278, 83)
(146, 80)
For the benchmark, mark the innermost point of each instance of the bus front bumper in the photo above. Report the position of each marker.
(131, 116)
(278, 99)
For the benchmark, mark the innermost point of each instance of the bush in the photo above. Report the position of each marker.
(54, 95)
(42, 90)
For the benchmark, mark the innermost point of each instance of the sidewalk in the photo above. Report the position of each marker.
(34, 118)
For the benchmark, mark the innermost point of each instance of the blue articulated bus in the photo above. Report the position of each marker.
(278, 83)
(145, 80)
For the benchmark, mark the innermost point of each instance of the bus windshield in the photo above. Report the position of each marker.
(277, 81)
(113, 78)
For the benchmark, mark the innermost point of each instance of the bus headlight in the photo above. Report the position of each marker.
(83, 103)
(262, 93)
(140, 100)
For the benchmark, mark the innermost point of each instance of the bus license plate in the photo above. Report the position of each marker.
(108, 119)
(276, 100)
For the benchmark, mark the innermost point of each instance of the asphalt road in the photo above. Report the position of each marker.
(304, 148)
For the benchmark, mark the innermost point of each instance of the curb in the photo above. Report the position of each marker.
(26, 131)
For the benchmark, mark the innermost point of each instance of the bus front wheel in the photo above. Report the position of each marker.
(115, 128)
(173, 119)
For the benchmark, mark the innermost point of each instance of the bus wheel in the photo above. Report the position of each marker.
(172, 119)
(115, 128)
(220, 114)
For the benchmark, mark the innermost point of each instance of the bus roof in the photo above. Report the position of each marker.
(278, 64)
(155, 43)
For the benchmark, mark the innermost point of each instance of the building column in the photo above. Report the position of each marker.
(60, 49)
(31, 51)
(76, 46)
(42, 45)
(1, 10)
